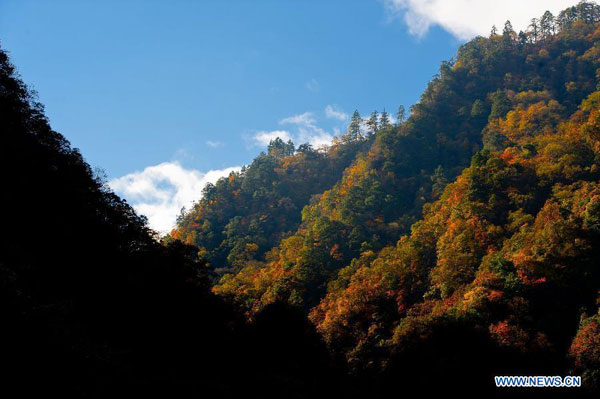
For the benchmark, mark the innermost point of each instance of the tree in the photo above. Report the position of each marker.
(500, 104)
(384, 120)
(400, 115)
(566, 18)
(547, 25)
(439, 182)
(289, 148)
(508, 29)
(508, 33)
(305, 148)
(534, 30)
(522, 38)
(587, 12)
(181, 215)
(353, 133)
(278, 148)
(372, 122)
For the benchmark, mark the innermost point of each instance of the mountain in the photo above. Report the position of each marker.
(426, 256)
(401, 271)
(383, 192)
(243, 216)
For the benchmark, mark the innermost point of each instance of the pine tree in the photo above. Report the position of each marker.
(439, 181)
(522, 38)
(587, 12)
(353, 128)
(566, 17)
(289, 148)
(305, 148)
(384, 120)
(278, 148)
(534, 29)
(508, 34)
(508, 29)
(372, 122)
(401, 114)
(547, 27)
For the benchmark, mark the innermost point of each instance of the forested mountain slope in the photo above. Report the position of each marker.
(509, 251)
(504, 265)
(240, 218)
(384, 190)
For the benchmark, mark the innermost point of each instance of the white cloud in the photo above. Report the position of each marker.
(160, 191)
(335, 112)
(307, 130)
(304, 130)
(263, 138)
(468, 18)
(305, 119)
(317, 139)
(214, 144)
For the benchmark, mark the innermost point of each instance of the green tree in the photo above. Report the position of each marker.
(384, 120)
(305, 148)
(353, 132)
(278, 148)
(439, 181)
(372, 122)
(547, 25)
(508, 29)
(534, 30)
(401, 114)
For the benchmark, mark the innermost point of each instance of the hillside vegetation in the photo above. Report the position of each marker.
(240, 218)
(395, 266)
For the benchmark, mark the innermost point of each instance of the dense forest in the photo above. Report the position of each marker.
(240, 218)
(433, 253)
(392, 257)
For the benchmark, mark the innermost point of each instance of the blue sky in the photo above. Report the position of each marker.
(160, 93)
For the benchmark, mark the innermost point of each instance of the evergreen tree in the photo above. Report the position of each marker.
(278, 148)
(534, 30)
(372, 122)
(566, 17)
(305, 148)
(384, 120)
(522, 38)
(508, 33)
(508, 29)
(289, 148)
(353, 133)
(547, 27)
(439, 182)
(400, 115)
(587, 12)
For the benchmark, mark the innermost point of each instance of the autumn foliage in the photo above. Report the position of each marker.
(391, 255)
